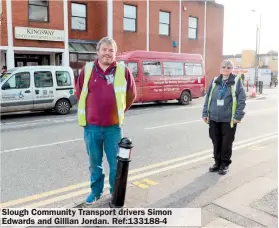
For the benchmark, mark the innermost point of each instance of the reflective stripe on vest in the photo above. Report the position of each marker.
(234, 104)
(120, 89)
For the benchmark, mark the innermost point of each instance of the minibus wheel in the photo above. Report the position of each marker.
(185, 98)
(62, 107)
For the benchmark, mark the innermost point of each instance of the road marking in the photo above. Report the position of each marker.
(143, 175)
(140, 185)
(171, 125)
(139, 170)
(39, 146)
(150, 182)
(256, 147)
(248, 113)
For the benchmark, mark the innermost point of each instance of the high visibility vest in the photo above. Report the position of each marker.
(233, 91)
(120, 89)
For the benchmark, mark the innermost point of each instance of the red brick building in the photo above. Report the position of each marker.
(66, 32)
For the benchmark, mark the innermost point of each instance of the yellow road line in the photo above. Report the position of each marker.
(44, 194)
(150, 182)
(140, 185)
(80, 185)
(60, 198)
(141, 175)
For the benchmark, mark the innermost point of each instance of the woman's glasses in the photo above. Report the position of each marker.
(224, 67)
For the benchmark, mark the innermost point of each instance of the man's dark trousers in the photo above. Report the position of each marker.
(222, 136)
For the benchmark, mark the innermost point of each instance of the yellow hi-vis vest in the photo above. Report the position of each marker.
(120, 89)
(233, 90)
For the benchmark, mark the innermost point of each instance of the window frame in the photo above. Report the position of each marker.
(34, 20)
(149, 62)
(86, 17)
(169, 24)
(183, 68)
(43, 86)
(136, 19)
(197, 25)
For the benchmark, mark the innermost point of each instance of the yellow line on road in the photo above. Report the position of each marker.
(140, 185)
(130, 178)
(150, 182)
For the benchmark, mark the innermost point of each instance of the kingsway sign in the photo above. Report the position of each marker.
(26, 33)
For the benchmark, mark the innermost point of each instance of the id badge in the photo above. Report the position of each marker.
(110, 79)
(220, 102)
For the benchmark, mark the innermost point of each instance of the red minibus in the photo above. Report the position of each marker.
(162, 76)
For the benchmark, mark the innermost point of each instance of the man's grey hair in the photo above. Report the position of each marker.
(227, 63)
(107, 40)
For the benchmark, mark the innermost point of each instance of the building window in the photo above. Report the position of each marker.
(193, 28)
(79, 13)
(152, 68)
(38, 10)
(173, 68)
(130, 18)
(164, 23)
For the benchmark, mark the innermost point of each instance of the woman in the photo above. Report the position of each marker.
(223, 110)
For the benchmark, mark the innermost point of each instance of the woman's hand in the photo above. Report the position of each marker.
(236, 121)
(205, 119)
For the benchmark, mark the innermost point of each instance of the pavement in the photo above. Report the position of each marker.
(44, 163)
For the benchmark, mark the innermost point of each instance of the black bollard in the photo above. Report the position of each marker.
(120, 184)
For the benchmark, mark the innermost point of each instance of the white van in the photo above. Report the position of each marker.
(35, 88)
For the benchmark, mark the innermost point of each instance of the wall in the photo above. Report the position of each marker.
(248, 58)
(127, 41)
(96, 21)
(20, 18)
(4, 32)
(214, 42)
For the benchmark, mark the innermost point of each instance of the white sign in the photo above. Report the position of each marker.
(26, 33)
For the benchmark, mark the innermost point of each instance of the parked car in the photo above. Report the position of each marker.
(35, 88)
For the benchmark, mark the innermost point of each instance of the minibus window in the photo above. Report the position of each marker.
(152, 68)
(193, 69)
(133, 67)
(197, 69)
(173, 68)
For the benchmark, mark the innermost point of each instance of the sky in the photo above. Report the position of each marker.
(240, 25)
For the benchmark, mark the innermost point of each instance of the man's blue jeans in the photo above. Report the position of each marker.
(96, 140)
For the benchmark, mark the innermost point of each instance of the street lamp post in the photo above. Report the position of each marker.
(258, 34)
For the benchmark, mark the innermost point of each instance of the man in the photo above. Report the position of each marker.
(223, 110)
(4, 69)
(105, 90)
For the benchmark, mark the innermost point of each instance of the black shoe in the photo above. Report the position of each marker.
(223, 170)
(214, 168)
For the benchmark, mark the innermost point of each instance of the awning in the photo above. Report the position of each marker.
(82, 47)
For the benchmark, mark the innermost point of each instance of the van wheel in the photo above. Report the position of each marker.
(62, 107)
(185, 98)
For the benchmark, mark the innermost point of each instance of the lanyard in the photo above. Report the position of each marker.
(103, 77)
(223, 88)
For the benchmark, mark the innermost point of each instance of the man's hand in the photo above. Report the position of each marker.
(236, 121)
(205, 119)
